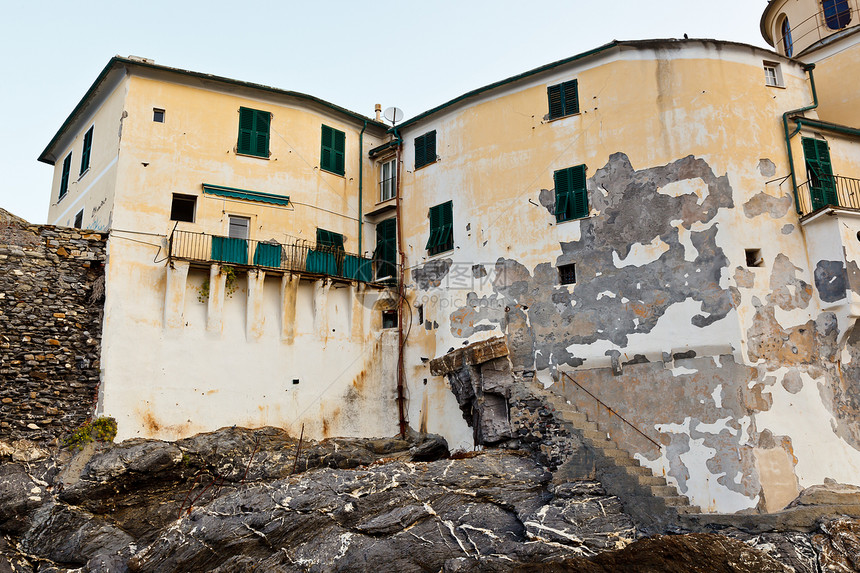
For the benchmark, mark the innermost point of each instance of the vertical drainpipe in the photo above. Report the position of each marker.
(808, 69)
(401, 293)
(360, 182)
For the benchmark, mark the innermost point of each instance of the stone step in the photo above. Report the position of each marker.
(677, 500)
(575, 418)
(595, 435)
(615, 453)
(664, 490)
(652, 480)
(688, 509)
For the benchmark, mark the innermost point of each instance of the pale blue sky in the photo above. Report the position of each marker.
(352, 53)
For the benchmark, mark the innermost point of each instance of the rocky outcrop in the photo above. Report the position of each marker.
(241, 500)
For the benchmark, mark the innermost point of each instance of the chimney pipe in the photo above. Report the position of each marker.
(378, 110)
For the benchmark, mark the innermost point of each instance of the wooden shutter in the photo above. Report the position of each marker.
(246, 130)
(571, 97)
(556, 105)
(326, 159)
(562, 195)
(332, 150)
(261, 133)
(822, 185)
(339, 152)
(579, 192)
(64, 179)
(430, 146)
(420, 152)
(85, 153)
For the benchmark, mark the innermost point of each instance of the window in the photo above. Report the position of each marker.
(79, 219)
(182, 208)
(333, 147)
(571, 196)
(837, 13)
(389, 319)
(157, 115)
(563, 99)
(239, 227)
(567, 274)
(425, 149)
(819, 172)
(387, 180)
(385, 254)
(253, 132)
(787, 43)
(772, 74)
(754, 258)
(85, 154)
(441, 228)
(64, 179)
(329, 239)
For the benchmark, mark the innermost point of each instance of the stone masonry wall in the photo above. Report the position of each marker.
(51, 291)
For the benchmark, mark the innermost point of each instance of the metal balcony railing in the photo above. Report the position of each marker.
(828, 190)
(817, 27)
(301, 256)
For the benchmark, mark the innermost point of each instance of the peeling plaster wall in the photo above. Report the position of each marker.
(733, 369)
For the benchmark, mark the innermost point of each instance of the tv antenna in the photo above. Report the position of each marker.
(393, 114)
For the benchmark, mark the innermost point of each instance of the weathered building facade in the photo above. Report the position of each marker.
(670, 225)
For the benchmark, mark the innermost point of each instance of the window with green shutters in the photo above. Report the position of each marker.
(254, 132)
(385, 254)
(85, 153)
(333, 148)
(819, 171)
(328, 239)
(64, 179)
(441, 228)
(425, 149)
(571, 196)
(563, 99)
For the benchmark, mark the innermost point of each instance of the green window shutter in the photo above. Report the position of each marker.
(819, 169)
(64, 179)
(254, 127)
(385, 253)
(556, 106)
(441, 228)
(425, 149)
(85, 152)
(329, 239)
(333, 148)
(571, 194)
(563, 99)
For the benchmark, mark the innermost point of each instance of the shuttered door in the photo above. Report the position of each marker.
(385, 253)
(819, 170)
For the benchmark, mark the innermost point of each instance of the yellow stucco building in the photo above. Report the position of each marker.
(672, 226)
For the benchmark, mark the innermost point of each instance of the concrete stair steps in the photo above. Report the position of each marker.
(649, 480)
(676, 500)
(664, 490)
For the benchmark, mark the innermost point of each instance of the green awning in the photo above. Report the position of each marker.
(242, 194)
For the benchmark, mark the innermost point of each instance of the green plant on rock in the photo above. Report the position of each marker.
(101, 429)
(230, 285)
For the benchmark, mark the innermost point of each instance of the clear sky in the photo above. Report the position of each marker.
(352, 53)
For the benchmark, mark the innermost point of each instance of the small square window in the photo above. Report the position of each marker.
(754, 258)
(157, 115)
(773, 75)
(238, 227)
(389, 319)
(79, 219)
(567, 274)
(182, 208)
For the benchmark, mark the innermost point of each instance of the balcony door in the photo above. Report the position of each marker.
(819, 172)
(234, 247)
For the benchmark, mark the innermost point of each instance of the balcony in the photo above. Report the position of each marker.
(828, 191)
(302, 257)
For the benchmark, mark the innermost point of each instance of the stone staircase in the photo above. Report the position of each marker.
(649, 498)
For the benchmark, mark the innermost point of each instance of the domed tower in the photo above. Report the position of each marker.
(825, 33)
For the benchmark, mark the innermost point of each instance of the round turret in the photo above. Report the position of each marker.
(796, 27)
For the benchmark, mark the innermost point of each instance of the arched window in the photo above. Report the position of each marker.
(787, 43)
(837, 13)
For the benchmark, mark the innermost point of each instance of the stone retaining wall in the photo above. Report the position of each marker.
(51, 291)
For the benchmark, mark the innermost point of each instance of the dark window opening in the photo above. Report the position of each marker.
(567, 274)
(563, 99)
(389, 319)
(157, 115)
(64, 179)
(295, 380)
(182, 208)
(420, 309)
(754, 258)
(425, 149)
(79, 219)
(787, 43)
